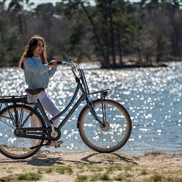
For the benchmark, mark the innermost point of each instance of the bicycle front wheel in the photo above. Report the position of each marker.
(10, 145)
(117, 128)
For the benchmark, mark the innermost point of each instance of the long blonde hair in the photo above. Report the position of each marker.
(29, 48)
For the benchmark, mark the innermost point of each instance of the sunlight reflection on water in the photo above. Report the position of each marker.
(152, 96)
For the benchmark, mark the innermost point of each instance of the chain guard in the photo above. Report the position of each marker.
(37, 133)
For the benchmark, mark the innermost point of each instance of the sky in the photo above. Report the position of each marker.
(52, 1)
(36, 2)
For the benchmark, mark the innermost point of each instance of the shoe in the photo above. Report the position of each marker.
(39, 154)
(54, 144)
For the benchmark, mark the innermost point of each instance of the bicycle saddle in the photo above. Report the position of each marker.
(34, 91)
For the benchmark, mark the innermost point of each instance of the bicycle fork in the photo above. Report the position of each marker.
(102, 123)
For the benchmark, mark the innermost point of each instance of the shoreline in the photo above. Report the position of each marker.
(125, 65)
(70, 167)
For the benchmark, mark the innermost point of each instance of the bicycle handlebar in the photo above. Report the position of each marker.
(74, 67)
(67, 62)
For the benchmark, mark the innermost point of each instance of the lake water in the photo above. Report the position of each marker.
(152, 96)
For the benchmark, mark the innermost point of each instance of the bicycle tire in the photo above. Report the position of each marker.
(10, 145)
(114, 135)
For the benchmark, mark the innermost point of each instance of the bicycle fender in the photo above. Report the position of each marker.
(20, 105)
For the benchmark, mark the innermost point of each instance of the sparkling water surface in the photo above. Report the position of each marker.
(152, 96)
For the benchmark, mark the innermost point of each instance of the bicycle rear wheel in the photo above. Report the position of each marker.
(10, 145)
(116, 132)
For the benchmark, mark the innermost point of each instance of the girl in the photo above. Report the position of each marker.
(37, 73)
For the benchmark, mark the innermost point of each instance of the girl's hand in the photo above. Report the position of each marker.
(52, 63)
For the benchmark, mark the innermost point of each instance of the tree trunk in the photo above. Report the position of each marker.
(175, 42)
(112, 36)
(106, 61)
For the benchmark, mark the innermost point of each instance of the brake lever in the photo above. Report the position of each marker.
(66, 62)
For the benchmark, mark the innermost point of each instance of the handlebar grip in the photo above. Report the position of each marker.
(59, 62)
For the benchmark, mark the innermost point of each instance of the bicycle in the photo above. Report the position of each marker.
(104, 124)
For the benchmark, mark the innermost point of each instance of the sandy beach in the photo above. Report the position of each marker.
(91, 166)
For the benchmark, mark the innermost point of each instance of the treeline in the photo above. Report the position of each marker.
(108, 31)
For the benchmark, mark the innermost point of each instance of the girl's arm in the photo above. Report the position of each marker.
(34, 67)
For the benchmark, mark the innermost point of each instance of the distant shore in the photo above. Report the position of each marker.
(132, 65)
(125, 65)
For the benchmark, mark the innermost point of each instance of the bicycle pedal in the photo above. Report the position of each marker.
(56, 146)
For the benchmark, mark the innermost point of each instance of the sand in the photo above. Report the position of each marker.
(92, 166)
